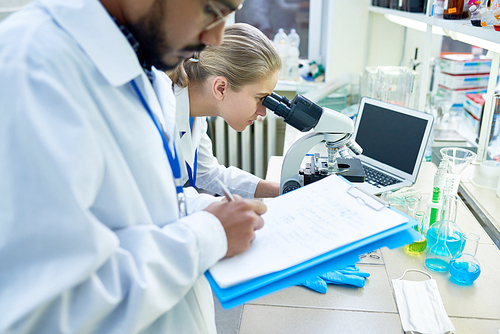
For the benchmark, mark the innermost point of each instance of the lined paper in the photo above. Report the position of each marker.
(303, 224)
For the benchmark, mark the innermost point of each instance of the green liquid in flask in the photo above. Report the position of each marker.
(436, 193)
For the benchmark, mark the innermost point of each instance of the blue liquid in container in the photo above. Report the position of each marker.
(454, 242)
(464, 272)
(436, 264)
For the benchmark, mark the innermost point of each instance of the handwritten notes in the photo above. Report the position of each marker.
(303, 224)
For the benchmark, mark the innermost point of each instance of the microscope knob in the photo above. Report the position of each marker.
(290, 185)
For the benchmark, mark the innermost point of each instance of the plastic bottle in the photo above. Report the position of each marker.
(280, 41)
(293, 55)
(439, 9)
(475, 18)
(495, 9)
(487, 18)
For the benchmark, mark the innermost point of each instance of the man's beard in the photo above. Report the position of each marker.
(154, 47)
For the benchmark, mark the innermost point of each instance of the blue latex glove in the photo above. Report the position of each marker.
(347, 276)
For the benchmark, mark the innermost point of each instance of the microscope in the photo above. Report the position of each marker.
(332, 127)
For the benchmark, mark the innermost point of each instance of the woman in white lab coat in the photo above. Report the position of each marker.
(229, 81)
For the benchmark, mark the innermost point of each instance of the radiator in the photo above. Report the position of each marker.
(249, 150)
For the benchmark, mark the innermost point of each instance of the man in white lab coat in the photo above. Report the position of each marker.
(91, 239)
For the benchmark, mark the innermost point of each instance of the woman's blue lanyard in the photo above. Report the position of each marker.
(192, 172)
(173, 160)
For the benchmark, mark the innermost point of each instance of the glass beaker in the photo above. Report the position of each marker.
(454, 233)
(412, 203)
(464, 267)
(395, 200)
(418, 247)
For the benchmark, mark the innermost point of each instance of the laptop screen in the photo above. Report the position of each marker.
(391, 137)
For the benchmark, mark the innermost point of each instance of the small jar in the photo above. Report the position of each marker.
(475, 18)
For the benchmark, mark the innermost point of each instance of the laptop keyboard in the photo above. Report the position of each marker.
(377, 178)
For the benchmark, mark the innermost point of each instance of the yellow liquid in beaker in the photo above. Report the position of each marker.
(416, 247)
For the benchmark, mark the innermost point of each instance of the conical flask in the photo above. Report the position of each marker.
(464, 267)
(444, 238)
(454, 233)
(438, 255)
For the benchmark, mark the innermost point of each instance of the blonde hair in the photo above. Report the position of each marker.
(246, 56)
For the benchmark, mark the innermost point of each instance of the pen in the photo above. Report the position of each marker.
(226, 191)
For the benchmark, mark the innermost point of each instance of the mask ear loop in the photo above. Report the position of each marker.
(415, 270)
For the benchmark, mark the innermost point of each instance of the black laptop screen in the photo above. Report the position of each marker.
(390, 137)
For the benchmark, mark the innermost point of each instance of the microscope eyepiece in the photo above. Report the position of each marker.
(300, 113)
(270, 102)
(278, 104)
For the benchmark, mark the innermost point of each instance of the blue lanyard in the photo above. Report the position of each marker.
(173, 160)
(192, 172)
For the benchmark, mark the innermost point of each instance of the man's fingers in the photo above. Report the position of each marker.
(259, 223)
(259, 207)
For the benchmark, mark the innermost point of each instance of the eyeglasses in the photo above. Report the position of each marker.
(219, 17)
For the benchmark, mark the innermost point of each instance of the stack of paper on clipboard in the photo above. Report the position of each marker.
(322, 226)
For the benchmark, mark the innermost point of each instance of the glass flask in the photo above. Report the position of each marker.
(418, 247)
(464, 267)
(444, 238)
(454, 233)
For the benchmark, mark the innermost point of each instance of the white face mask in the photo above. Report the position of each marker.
(421, 309)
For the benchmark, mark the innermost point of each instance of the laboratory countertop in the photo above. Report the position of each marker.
(372, 309)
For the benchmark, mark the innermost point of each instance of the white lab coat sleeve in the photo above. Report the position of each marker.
(62, 268)
(238, 181)
(196, 201)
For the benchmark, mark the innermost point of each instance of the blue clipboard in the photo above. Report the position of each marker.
(338, 258)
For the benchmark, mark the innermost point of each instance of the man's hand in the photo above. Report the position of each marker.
(240, 219)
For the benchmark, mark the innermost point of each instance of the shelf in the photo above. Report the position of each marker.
(457, 29)
(421, 17)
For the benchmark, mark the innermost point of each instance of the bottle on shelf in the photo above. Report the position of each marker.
(438, 9)
(487, 17)
(475, 18)
(281, 43)
(495, 11)
(293, 55)
(453, 9)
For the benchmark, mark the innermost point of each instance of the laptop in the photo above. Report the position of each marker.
(394, 139)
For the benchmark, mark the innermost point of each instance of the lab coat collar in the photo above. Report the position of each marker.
(189, 141)
(91, 26)
(182, 117)
(162, 86)
(182, 110)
